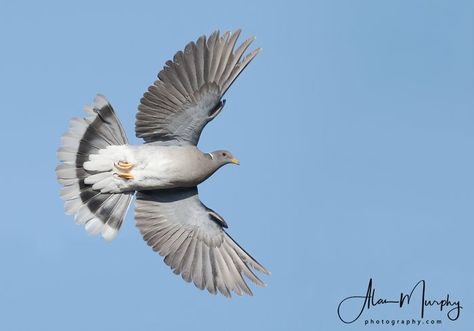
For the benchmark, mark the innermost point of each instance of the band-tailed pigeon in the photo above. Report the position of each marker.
(100, 171)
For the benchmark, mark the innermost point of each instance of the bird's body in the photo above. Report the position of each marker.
(100, 171)
(154, 167)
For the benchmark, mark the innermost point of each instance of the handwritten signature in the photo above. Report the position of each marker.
(369, 300)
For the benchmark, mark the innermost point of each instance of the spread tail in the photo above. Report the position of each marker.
(100, 212)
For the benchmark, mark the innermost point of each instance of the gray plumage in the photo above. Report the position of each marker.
(189, 89)
(99, 212)
(191, 238)
(100, 171)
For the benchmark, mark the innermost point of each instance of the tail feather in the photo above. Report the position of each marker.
(99, 212)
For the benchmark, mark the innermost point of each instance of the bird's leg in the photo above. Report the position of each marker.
(125, 176)
(124, 167)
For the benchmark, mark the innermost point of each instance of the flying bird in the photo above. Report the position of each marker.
(100, 172)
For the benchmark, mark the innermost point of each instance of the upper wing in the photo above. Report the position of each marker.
(190, 236)
(188, 91)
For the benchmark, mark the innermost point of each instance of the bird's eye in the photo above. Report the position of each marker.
(224, 154)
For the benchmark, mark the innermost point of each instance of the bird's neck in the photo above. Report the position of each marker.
(211, 167)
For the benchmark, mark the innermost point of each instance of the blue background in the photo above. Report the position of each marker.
(354, 128)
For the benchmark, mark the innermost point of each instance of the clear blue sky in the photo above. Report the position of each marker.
(355, 132)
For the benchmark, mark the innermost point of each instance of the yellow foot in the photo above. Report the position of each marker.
(126, 176)
(124, 166)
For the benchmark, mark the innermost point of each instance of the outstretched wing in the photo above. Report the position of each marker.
(188, 92)
(190, 236)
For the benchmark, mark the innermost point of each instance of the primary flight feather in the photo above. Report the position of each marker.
(100, 171)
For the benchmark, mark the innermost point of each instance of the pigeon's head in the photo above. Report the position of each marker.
(223, 157)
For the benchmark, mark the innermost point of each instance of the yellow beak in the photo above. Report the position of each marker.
(235, 161)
